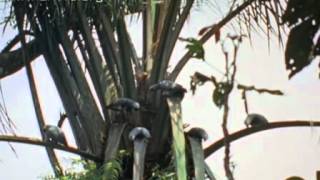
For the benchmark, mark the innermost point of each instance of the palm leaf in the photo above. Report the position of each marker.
(148, 30)
(128, 80)
(198, 158)
(178, 137)
(84, 117)
(113, 141)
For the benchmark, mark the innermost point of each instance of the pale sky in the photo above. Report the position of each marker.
(269, 155)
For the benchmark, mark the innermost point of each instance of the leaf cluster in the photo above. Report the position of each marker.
(303, 45)
(112, 170)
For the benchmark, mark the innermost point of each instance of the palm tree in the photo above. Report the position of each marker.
(71, 33)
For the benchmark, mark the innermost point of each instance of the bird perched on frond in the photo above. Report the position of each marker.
(124, 104)
(169, 89)
(255, 120)
(138, 133)
(54, 135)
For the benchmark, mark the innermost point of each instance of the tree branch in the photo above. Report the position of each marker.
(15, 41)
(36, 141)
(11, 62)
(215, 28)
(245, 132)
(227, 162)
(259, 90)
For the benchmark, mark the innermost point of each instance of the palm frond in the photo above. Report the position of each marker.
(178, 138)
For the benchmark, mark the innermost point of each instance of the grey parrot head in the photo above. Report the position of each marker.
(198, 133)
(139, 133)
(124, 104)
(169, 89)
(51, 129)
(162, 85)
(54, 134)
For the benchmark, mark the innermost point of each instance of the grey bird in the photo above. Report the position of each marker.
(169, 89)
(140, 137)
(255, 120)
(195, 136)
(198, 133)
(54, 135)
(125, 104)
(139, 133)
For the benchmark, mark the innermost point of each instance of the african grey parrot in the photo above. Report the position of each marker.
(255, 120)
(125, 104)
(55, 135)
(169, 89)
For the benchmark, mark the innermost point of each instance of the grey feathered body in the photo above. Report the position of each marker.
(55, 135)
(126, 104)
(255, 120)
(169, 89)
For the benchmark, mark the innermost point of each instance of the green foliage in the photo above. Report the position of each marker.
(220, 93)
(163, 174)
(90, 171)
(112, 170)
(298, 53)
(179, 145)
(195, 47)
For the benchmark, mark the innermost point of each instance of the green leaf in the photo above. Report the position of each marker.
(128, 80)
(113, 141)
(112, 170)
(220, 93)
(178, 137)
(195, 47)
